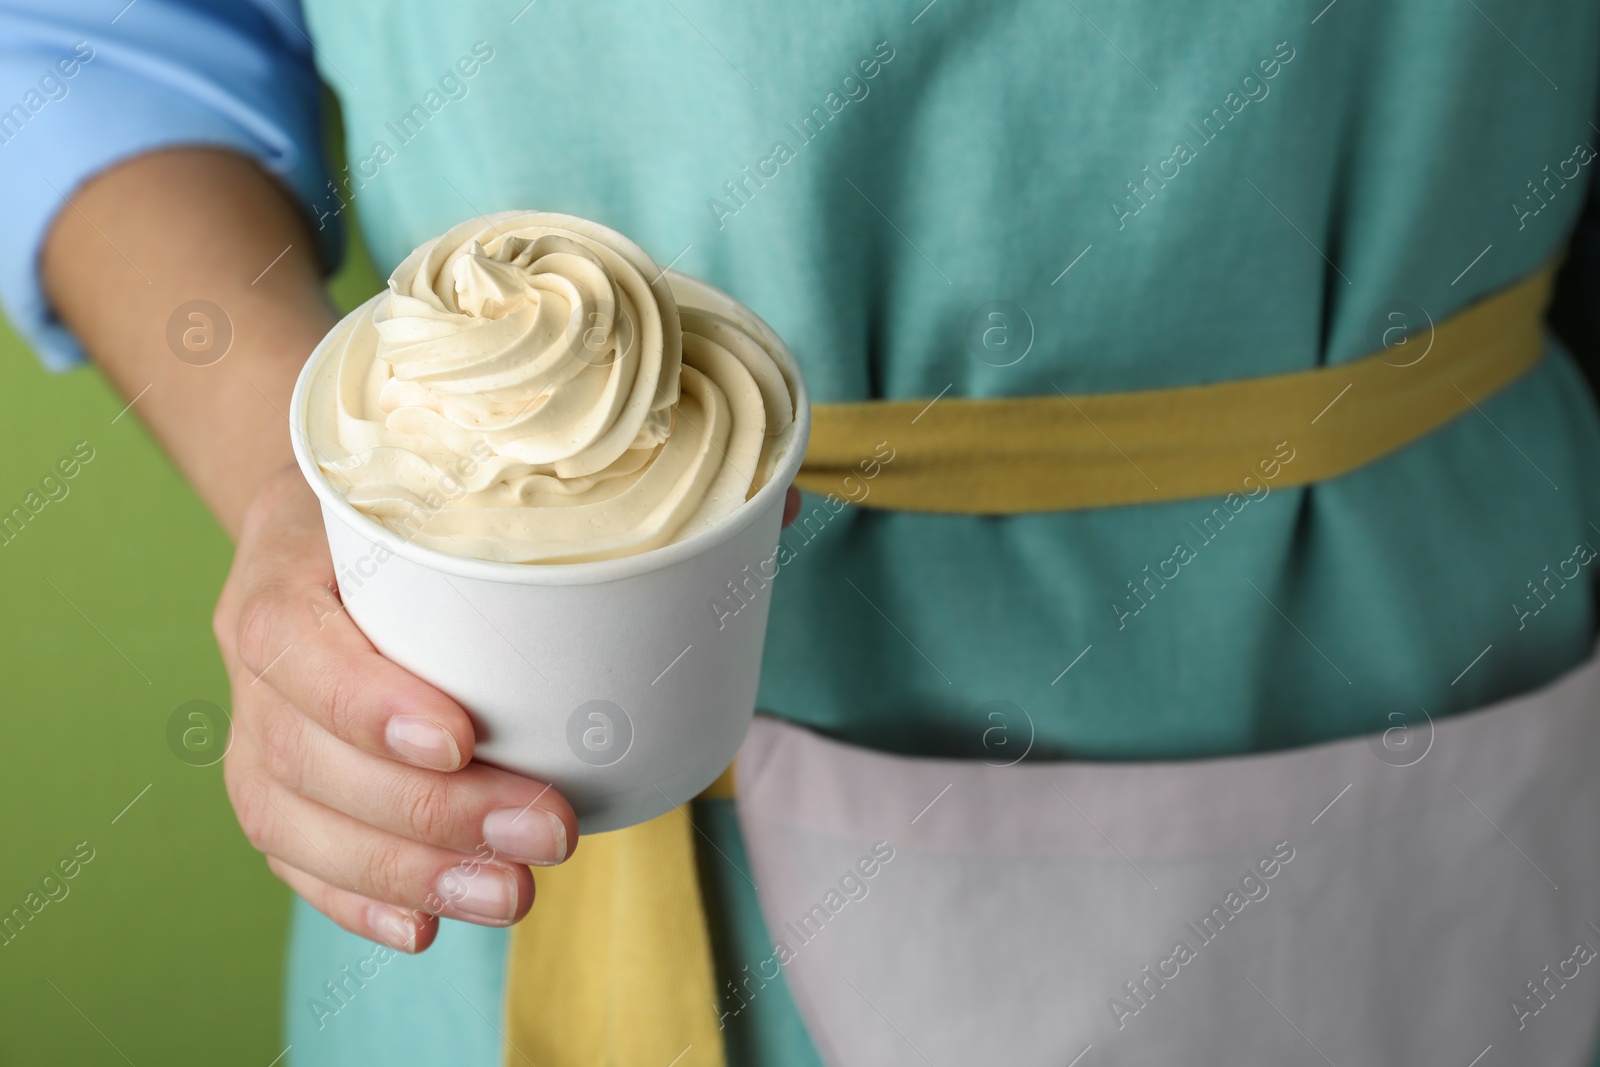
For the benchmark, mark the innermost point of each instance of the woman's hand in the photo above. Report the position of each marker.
(352, 775)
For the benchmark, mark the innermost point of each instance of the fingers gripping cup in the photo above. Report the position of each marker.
(546, 467)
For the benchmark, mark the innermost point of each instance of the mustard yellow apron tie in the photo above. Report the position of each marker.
(613, 967)
(1051, 453)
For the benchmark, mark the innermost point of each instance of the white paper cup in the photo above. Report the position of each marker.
(621, 682)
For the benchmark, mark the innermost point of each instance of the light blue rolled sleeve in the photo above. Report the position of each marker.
(84, 85)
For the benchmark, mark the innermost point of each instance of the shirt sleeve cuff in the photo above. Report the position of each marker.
(111, 113)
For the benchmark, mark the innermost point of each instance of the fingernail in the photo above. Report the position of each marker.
(422, 741)
(488, 892)
(527, 835)
(395, 928)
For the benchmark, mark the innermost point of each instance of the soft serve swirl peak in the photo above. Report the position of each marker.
(530, 389)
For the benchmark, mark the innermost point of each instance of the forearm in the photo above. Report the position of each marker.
(168, 228)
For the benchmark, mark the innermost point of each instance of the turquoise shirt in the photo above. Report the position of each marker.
(1159, 198)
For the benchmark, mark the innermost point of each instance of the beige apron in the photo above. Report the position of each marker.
(1427, 896)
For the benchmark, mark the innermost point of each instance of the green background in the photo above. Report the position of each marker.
(168, 948)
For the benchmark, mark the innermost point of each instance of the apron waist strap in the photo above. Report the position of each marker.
(1051, 453)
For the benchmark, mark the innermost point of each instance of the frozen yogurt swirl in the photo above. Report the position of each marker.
(528, 389)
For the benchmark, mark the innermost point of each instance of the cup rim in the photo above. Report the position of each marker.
(592, 572)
